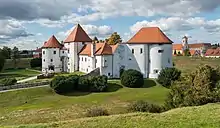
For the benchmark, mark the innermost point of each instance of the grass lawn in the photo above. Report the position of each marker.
(187, 64)
(207, 116)
(42, 105)
(18, 73)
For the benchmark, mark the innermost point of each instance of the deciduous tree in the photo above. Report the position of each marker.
(114, 39)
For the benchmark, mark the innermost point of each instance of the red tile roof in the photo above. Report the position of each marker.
(101, 49)
(210, 52)
(150, 35)
(78, 35)
(177, 46)
(52, 43)
(199, 45)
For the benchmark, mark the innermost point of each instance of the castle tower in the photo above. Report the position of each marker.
(185, 42)
(51, 62)
(74, 43)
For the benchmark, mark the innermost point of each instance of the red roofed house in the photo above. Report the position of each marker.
(148, 51)
(213, 53)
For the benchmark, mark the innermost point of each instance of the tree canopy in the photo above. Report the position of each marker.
(2, 60)
(15, 56)
(114, 39)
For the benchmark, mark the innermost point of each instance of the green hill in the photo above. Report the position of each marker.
(207, 116)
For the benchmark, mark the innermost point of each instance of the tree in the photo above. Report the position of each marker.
(15, 56)
(2, 61)
(6, 52)
(114, 39)
(95, 40)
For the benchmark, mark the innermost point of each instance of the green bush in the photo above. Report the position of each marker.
(143, 106)
(84, 84)
(8, 81)
(167, 76)
(36, 62)
(99, 83)
(197, 88)
(93, 112)
(132, 78)
(62, 84)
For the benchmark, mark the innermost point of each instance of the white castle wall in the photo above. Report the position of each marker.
(51, 59)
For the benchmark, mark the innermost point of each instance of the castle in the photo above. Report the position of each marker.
(148, 51)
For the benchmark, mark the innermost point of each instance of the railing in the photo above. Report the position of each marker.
(24, 85)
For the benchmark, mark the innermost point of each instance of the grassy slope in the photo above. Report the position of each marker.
(186, 64)
(207, 116)
(22, 63)
(41, 105)
(18, 73)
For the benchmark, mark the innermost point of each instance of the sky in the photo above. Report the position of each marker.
(27, 24)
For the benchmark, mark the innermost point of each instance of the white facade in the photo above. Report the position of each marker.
(53, 60)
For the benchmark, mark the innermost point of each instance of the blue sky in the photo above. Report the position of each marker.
(27, 24)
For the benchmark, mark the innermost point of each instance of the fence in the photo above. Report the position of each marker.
(24, 85)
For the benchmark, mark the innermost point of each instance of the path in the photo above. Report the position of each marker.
(27, 79)
(22, 88)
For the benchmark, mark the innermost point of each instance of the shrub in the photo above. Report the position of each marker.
(62, 84)
(93, 112)
(84, 84)
(132, 78)
(197, 88)
(143, 106)
(8, 81)
(167, 76)
(99, 83)
(36, 62)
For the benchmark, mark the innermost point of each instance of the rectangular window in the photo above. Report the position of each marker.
(44, 60)
(95, 60)
(54, 52)
(85, 59)
(141, 50)
(132, 51)
(63, 51)
(82, 58)
(160, 51)
(105, 60)
(43, 52)
(68, 51)
(169, 61)
(51, 60)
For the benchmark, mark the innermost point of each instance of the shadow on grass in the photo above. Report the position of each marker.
(113, 87)
(77, 94)
(148, 83)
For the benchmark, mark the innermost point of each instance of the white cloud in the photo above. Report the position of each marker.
(12, 29)
(178, 24)
(91, 30)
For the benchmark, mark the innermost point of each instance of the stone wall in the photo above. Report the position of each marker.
(95, 72)
(24, 85)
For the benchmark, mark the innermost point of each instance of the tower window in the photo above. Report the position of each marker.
(132, 51)
(105, 60)
(63, 51)
(44, 60)
(54, 52)
(68, 51)
(43, 52)
(169, 61)
(141, 50)
(85, 59)
(51, 60)
(160, 51)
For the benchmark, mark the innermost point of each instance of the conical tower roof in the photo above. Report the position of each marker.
(150, 35)
(78, 35)
(52, 43)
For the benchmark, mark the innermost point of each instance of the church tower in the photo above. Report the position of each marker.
(185, 43)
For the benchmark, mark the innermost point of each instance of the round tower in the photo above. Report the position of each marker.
(51, 60)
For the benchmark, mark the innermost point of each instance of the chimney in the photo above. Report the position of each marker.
(93, 49)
